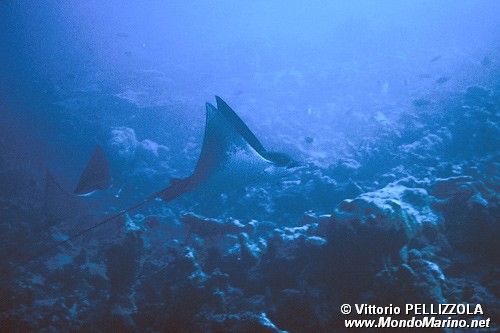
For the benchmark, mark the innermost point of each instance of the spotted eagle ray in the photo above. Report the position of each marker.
(231, 157)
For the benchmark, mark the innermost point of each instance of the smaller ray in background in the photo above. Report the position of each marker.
(90, 190)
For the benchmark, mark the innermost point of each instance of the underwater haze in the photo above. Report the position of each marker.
(355, 162)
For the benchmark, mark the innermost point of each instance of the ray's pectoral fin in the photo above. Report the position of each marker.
(96, 175)
(239, 125)
(62, 205)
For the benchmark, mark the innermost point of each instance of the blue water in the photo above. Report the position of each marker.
(393, 108)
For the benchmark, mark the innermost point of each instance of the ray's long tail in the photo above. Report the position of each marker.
(75, 235)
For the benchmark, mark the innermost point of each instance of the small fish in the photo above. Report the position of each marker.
(436, 58)
(443, 79)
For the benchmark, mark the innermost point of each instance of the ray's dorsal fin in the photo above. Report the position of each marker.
(239, 125)
(96, 175)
